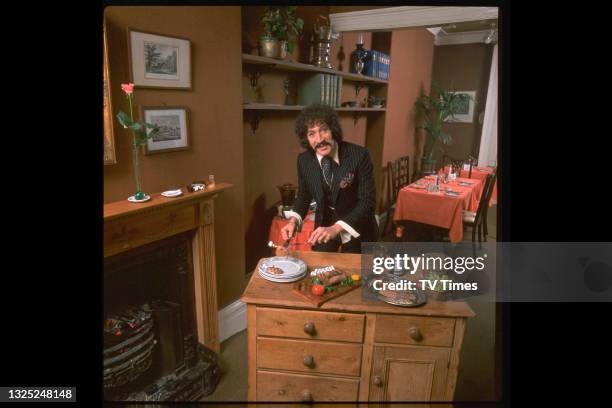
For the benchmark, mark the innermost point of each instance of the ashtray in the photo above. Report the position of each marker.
(196, 186)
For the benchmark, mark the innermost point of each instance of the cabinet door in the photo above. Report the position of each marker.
(409, 373)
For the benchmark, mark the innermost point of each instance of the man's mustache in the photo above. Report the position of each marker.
(321, 144)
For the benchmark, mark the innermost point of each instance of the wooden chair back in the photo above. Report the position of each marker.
(398, 171)
(457, 164)
(485, 197)
(400, 175)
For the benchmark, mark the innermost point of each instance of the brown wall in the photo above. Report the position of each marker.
(464, 67)
(221, 139)
(214, 102)
(270, 153)
(411, 62)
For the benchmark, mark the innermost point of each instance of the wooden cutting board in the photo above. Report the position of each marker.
(302, 288)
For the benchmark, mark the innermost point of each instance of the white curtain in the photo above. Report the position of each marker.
(488, 140)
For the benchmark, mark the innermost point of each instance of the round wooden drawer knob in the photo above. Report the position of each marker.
(308, 360)
(309, 328)
(415, 334)
(377, 380)
(306, 395)
(282, 392)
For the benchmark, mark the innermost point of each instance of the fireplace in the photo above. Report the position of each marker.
(154, 283)
(161, 328)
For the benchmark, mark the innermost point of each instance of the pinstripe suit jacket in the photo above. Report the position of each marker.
(353, 189)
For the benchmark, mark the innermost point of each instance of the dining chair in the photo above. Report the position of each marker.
(486, 209)
(457, 164)
(399, 176)
(475, 219)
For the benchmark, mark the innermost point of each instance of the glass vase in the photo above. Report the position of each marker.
(139, 194)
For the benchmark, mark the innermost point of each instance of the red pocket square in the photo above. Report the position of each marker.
(347, 180)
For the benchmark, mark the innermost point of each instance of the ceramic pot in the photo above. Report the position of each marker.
(269, 47)
(428, 166)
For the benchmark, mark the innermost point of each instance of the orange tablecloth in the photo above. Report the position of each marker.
(481, 173)
(437, 208)
(299, 239)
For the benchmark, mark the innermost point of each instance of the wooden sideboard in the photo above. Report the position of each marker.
(351, 348)
(131, 225)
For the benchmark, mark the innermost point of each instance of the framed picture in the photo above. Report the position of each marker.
(159, 61)
(466, 111)
(109, 138)
(172, 122)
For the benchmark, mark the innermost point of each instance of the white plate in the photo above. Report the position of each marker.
(291, 266)
(281, 276)
(132, 199)
(296, 278)
(172, 193)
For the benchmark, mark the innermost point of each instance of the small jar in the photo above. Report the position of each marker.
(211, 181)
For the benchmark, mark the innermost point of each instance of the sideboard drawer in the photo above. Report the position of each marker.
(296, 387)
(430, 331)
(307, 324)
(309, 356)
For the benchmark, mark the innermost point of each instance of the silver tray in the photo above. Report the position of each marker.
(406, 298)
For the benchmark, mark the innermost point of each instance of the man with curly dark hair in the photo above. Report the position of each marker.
(339, 177)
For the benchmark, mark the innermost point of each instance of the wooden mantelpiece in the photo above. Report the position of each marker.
(131, 225)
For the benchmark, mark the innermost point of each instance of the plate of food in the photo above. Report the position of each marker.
(326, 283)
(285, 267)
(404, 298)
(281, 280)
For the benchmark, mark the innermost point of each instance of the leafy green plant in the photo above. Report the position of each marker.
(433, 110)
(281, 22)
(376, 100)
(138, 128)
(435, 277)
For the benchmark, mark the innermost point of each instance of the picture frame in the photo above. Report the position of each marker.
(466, 114)
(159, 61)
(107, 107)
(173, 123)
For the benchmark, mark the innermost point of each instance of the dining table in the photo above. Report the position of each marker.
(481, 173)
(443, 208)
(298, 242)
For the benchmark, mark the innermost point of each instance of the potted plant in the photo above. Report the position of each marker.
(376, 101)
(281, 27)
(432, 111)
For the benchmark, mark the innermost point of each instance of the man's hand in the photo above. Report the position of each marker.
(324, 234)
(288, 230)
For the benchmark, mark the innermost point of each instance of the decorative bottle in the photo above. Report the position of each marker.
(358, 58)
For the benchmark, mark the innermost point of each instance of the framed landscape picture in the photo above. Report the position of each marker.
(466, 111)
(109, 138)
(173, 128)
(159, 61)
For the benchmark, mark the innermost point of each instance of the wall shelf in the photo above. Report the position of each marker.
(298, 66)
(278, 107)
